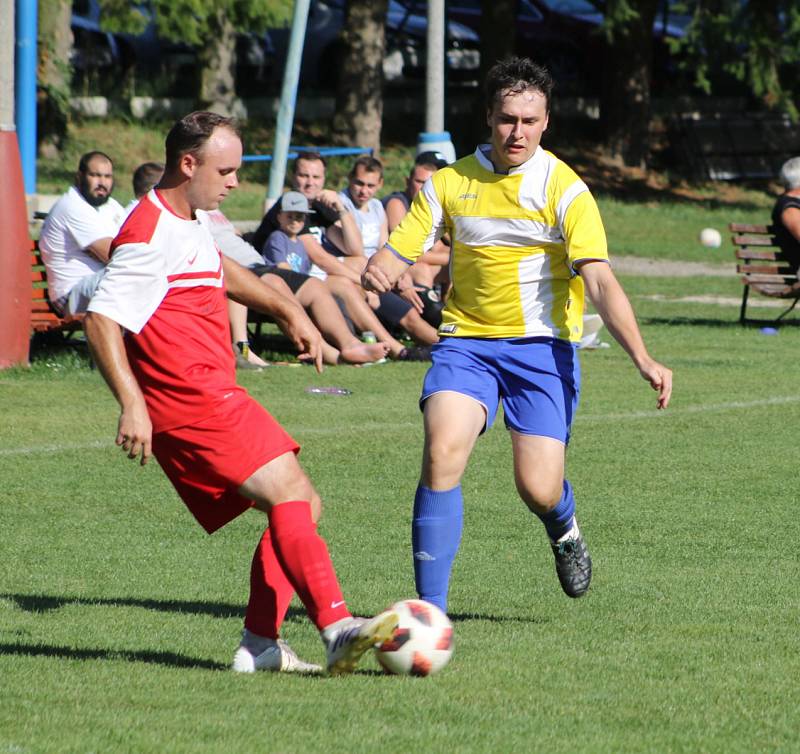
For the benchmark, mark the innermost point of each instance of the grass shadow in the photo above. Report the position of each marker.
(167, 659)
(43, 603)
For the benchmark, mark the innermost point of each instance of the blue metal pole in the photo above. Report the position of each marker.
(25, 89)
(291, 76)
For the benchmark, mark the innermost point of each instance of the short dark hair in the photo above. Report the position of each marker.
(369, 163)
(515, 75)
(147, 175)
(432, 160)
(311, 156)
(190, 134)
(83, 165)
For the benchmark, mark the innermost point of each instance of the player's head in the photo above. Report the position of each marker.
(292, 212)
(308, 174)
(364, 179)
(517, 109)
(790, 174)
(147, 175)
(425, 165)
(95, 177)
(204, 151)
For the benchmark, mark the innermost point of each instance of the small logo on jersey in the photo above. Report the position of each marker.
(468, 196)
(193, 257)
(448, 329)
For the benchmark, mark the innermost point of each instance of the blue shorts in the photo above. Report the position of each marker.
(538, 380)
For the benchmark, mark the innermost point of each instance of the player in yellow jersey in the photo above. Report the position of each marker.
(527, 243)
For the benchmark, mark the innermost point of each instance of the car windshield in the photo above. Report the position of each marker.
(572, 7)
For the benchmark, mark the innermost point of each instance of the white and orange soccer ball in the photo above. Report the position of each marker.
(422, 643)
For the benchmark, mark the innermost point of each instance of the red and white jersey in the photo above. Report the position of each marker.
(164, 285)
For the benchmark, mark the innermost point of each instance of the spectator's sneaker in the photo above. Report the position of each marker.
(573, 563)
(415, 353)
(347, 640)
(272, 655)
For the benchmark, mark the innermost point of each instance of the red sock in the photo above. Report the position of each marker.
(270, 591)
(305, 560)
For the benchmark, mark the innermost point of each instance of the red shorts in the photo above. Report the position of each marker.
(207, 462)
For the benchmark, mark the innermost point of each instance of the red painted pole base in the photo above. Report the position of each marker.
(15, 256)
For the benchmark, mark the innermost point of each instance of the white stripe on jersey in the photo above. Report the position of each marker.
(503, 231)
(536, 294)
(437, 215)
(567, 198)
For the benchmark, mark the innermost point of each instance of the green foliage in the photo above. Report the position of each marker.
(755, 42)
(194, 22)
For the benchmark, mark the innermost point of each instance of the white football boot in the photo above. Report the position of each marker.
(261, 653)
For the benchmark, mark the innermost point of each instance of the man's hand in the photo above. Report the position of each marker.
(383, 270)
(135, 432)
(660, 379)
(406, 290)
(331, 199)
(305, 336)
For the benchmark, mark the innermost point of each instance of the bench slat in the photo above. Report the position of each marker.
(754, 241)
(746, 228)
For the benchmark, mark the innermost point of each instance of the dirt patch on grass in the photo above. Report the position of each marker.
(667, 268)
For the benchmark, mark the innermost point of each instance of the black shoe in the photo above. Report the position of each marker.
(573, 563)
(415, 353)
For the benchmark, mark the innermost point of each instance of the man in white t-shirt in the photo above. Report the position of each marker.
(76, 236)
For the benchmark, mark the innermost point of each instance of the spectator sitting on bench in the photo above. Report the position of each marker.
(339, 343)
(76, 236)
(331, 222)
(147, 175)
(786, 213)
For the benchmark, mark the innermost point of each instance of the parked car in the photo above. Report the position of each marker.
(565, 35)
(404, 60)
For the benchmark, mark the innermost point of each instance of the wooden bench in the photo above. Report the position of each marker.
(762, 267)
(43, 317)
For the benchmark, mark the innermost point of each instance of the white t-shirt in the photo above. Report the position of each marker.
(72, 225)
(370, 219)
(230, 243)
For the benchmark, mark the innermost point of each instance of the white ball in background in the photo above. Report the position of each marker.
(710, 237)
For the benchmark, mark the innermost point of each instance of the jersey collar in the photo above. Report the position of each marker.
(484, 150)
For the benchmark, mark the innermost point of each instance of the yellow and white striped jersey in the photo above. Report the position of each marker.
(515, 240)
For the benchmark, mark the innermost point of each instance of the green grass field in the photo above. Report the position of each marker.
(119, 616)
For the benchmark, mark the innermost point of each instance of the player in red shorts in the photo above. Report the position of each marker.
(173, 374)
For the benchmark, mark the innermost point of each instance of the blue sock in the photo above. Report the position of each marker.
(435, 537)
(558, 521)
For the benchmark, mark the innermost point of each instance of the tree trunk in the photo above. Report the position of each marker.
(359, 92)
(497, 43)
(625, 95)
(217, 67)
(54, 41)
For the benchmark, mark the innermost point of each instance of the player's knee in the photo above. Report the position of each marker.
(446, 457)
(540, 495)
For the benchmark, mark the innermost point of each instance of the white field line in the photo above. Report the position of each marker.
(373, 427)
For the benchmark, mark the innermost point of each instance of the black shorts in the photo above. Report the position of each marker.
(295, 280)
(392, 309)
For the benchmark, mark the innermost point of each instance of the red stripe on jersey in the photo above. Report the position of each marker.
(140, 225)
(201, 275)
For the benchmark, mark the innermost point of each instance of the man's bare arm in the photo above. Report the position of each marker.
(326, 261)
(246, 288)
(101, 249)
(605, 292)
(134, 430)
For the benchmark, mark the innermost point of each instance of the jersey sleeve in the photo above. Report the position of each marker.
(133, 286)
(581, 225)
(422, 225)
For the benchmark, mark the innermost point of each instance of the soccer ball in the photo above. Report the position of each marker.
(710, 238)
(422, 643)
